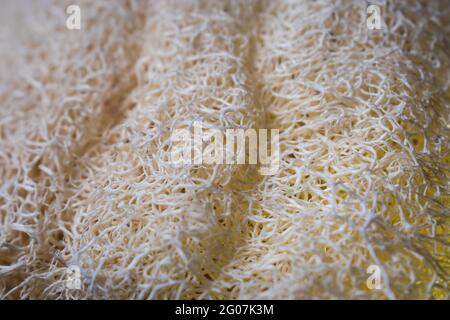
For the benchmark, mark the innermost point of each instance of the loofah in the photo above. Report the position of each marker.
(86, 123)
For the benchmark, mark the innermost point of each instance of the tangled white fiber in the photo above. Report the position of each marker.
(85, 124)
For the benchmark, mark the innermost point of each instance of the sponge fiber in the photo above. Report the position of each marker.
(86, 118)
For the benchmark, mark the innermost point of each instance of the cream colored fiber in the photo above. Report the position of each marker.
(85, 127)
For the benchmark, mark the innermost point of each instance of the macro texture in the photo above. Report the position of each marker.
(86, 118)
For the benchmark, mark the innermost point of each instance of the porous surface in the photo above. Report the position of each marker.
(86, 118)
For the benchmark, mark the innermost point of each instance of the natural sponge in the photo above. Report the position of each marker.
(85, 133)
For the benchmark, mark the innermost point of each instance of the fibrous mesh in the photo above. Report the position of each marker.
(86, 120)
